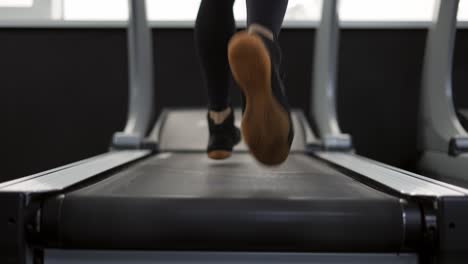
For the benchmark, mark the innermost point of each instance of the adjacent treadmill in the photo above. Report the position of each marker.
(444, 141)
(157, 198)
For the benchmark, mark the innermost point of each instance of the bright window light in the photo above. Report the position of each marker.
(164, 10)
(186, 10)
(463, 10)
(16, 3)
(386, 10)
(349, 10)
(95, 9)
(304, 10)
(171, 10)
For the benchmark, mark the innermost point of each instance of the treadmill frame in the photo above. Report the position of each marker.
(443, 207)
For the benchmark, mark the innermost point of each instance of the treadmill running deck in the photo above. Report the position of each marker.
(186, 201)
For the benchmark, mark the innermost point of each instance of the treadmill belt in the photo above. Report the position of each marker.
(175, 201)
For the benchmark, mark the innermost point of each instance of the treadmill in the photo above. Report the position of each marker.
(156, 197)
(444, 140)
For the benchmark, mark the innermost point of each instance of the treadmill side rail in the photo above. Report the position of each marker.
(58, 180)
(456, 187)
(396, 180)
(42, 173)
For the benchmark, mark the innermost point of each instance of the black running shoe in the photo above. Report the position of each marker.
(223, 137)
(266, 123)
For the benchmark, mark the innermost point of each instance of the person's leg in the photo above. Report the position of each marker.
(255, 57)
(268, 14)
(214, 27)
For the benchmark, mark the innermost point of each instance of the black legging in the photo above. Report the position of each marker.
(214, 27)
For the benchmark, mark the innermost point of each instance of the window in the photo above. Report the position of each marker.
(186, 10)
(95, 9)
(30, 9)
(463, 10)
(164, 10)
(16, 3)
(349, 10)
(391, 10)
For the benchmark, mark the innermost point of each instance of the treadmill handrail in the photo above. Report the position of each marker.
(141, 81)
(403, 183)
(60, 179)
(323, 92)
(440, 124)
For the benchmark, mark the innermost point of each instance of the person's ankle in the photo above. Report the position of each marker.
(219, 117)
(260, 30)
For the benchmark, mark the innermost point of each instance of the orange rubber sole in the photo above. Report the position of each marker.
(265, 124)
(219, 154)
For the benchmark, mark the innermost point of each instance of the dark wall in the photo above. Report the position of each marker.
(63, 94)
(65, 90)
(460, 70)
